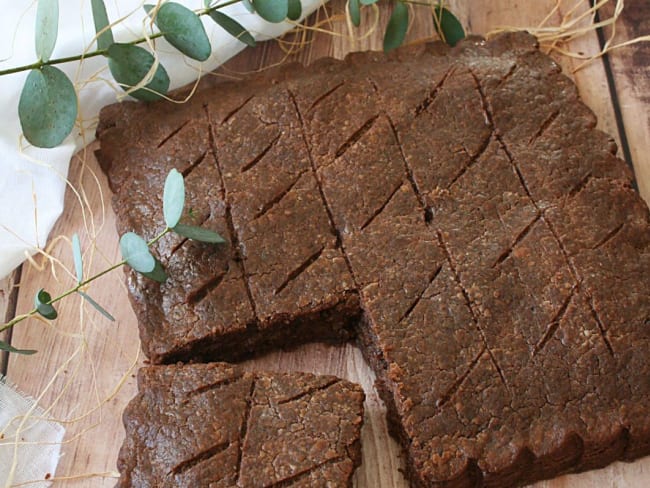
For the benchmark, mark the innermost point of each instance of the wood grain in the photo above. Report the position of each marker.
(8, 299)
(84, 370)
(630, 68)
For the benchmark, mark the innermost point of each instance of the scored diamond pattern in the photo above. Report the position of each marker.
(437, 200)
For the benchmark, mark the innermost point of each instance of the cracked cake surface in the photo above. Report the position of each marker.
(455, 211)
(214, 425)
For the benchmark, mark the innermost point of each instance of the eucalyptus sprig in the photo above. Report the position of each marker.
(135, 253)
(48, 103)
(47, 108)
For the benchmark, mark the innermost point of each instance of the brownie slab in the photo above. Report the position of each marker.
(454, 210)
(215, 425)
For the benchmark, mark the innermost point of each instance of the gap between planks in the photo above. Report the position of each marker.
(9, 288)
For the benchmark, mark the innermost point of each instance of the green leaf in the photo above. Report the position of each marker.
(232, 27)
(76, 254)
(43, 306)
(136, 253)
(295, 10)
(355, 12)
(130, 64)
(100, 17)
(183, 29)
(368, 2)
(9, 348)
(272, 10)
(47, 27)
(198, 234)
(158, 274)
(248, 5)
(97, 306)
(48, 107)
(173, 198)
(397, 27)
(447, 25)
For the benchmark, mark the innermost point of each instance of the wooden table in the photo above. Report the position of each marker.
(84, 371)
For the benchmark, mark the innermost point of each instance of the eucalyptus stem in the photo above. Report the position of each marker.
(423, 4)
(69, 59)
(216, 7)
(101, 52)
(19, 318)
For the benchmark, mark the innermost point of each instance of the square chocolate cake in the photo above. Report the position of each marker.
(454, 211)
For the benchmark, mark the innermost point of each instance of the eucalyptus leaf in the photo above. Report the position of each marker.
(355, 12)
(272, 10)
(198, 234)
(248, 5)
(76, 254)
(100, 18)
(232, 27)
(97, 306)
(47, 28)
(43, 306)
(9, 348)
(173, 198)
(158, 274)
(183, 29)
(42, 297)
(136, 253)
(295, 10)
(130, 64)
(48, 107)
(397, 27)
(447, 25)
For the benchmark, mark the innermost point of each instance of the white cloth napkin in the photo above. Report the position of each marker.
(32, 180)
(29, 444)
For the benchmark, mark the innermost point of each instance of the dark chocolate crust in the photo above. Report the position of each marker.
(456, 210)
(214, 425)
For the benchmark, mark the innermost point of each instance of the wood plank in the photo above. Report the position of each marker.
(83, 358)
(8, 298)
(90, 357)
(630, 68)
